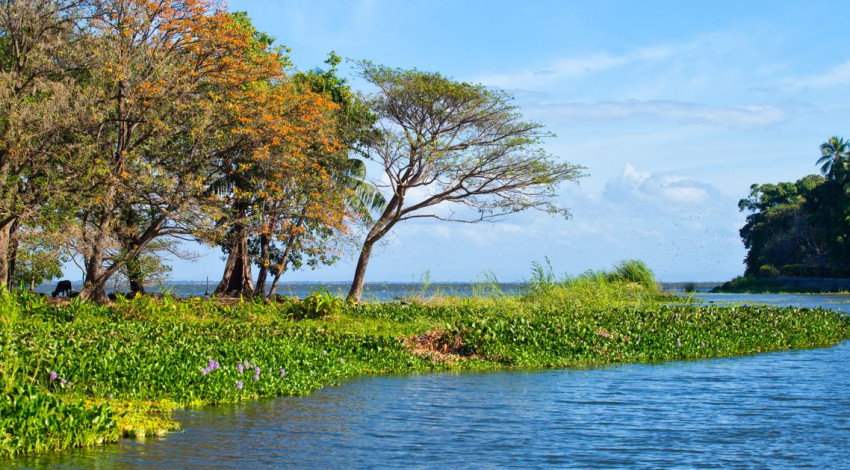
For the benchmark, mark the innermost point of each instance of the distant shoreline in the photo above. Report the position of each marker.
(784, 285)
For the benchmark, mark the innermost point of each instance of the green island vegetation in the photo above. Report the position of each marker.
(128, 127)
(796, 235)
(78, 373)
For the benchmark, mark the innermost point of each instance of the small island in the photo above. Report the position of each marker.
(797, 233)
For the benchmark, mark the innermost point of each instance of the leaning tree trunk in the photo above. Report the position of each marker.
(356, 291)
(281, 267)
(386, 222)
(237, 272)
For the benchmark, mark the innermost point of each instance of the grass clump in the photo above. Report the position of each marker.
(631, 282)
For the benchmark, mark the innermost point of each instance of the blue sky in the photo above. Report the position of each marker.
(675, 108)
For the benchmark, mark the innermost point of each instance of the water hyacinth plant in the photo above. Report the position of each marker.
(143, 357)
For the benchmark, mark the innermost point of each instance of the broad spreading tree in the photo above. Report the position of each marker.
(443, 142)
(40, 108)
(172, 80)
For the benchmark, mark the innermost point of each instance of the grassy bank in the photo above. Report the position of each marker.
(79, 374)
(758, 285)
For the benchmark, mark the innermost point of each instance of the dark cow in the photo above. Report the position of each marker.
(63, 287)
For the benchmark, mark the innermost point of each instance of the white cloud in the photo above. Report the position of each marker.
(663, 191)
(688, 113)
(838, 75)
(575, 67)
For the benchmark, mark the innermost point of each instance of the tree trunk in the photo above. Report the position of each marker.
(356, 291)
(13, 252)
(273, 288)
(281, 268)
(260, 289)
(5, 246)
(94, 284)
(386, 222)
(237, 272)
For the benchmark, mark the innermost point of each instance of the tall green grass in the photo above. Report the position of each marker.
(631, 282)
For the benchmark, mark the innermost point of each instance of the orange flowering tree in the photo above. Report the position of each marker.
(274, 176)
(171, 79)
(312, 227)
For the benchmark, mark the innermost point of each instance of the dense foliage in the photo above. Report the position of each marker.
(801, 229)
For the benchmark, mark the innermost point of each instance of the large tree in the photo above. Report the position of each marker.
(305, 234)
(40, 105)
(173, 79)
(271, 171)
(447, 142)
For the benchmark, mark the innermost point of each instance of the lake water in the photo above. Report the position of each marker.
(777, 410)
(381, 291)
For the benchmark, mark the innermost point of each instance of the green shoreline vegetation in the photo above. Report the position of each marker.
(78, 374)
(796, 234)
(761, 285)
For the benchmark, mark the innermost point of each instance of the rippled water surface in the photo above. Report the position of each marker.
(777, 410)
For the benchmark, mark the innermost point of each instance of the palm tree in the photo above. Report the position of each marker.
(835, 158)
(365, 198)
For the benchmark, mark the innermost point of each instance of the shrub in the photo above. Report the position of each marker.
(634, 271)
(318, 304)
(768, 271)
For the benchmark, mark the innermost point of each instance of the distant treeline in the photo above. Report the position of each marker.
(802, 229)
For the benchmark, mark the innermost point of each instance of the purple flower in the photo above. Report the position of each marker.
(678, 343)
(256, 377)
(239, 384)
(53, 375)
(257, 370)
(217, 365)
(239, 368)
(702, 344)
(63, 381)
(211, 364)
(324, 353)
(341, 360)
(247, 364)
(205, 371)
(282, 372)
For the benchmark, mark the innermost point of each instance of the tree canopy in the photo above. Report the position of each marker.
(801, 228)
(463, 146)
(127, 126)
